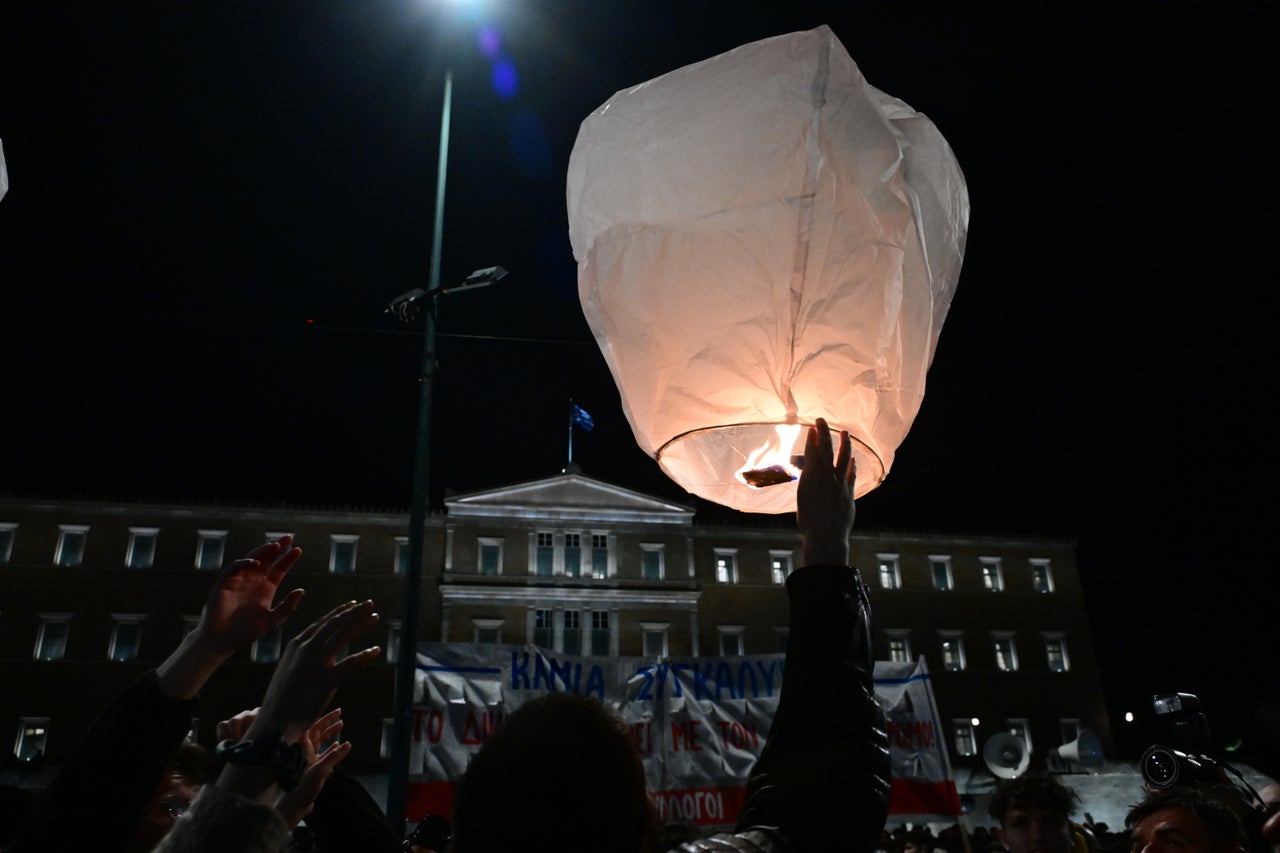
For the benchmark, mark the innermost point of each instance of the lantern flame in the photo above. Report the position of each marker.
(772, 464)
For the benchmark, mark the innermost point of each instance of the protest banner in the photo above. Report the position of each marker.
(698, 723)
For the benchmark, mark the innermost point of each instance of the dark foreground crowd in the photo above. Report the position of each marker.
(275, 783)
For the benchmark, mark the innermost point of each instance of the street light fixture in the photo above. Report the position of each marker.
(406, 306)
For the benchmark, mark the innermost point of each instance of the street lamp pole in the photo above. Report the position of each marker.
(407, 654)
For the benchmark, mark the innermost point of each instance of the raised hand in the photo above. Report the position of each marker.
(238, 609)
(308, 674)
(824, 497)
(294, 805)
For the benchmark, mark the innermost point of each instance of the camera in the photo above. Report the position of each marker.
(1188, 762)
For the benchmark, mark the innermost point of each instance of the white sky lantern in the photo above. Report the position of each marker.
(764, 239)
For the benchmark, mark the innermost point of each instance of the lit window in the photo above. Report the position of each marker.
(545, 555)
(965, 742)
(488, 631)
(992, 579)
(779, 566)
(1006, 652)
(889, 577)
(266, 650)
(573, 554)
(490, 556)
(1019, 728)
(388, 734)
(651, 562)
(51, 637)
(601, 638)
(210, 547)
(71, 538)
(543, 628)
(952, 652)
(572, 633)
(941, 568)
(599, 555)
(142, 547)
(1041, 576)
(126, 636)
(726, 565)
(342, 553)
(33, 733)
(6, 541)
(899, 646)
(654, 638)
(731, 643)
(401, 564)
(393, 640)
(1055, 651)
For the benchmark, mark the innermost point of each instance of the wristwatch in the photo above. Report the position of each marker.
(285, 759)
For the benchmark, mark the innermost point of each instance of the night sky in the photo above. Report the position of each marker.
(212, 203)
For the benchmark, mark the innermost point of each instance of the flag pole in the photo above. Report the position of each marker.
(570, 432)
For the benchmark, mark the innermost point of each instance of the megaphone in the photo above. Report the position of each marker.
(1085, 750)
(1006, 755)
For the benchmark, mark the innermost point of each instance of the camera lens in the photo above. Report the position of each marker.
(1160, 766)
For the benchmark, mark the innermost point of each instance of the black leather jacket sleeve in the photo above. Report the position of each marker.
(822, 779)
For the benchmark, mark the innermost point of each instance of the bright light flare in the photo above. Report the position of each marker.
(771, 464)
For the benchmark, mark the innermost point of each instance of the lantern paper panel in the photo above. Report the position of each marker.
(764, 239)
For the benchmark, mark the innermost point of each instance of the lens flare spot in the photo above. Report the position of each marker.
(504, 79)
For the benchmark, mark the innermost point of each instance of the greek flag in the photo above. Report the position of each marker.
(578, 417)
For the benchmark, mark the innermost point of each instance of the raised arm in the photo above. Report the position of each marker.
(822, 780)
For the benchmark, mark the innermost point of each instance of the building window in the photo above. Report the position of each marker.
(266, 650)
(601, 637)
(889, 576)
(545, 555)
(726, 565)
(992, 579)
(654, 638)
(388, 734)
(1019, 728)
(1006, 652)
(342, 553)
(1041, 576)
(572, 632)
(1055, 652)
(965, 741)
(941, 569)
(488, 631)
(779, 566)
(33, 733)
(71, 539)
(543, 629)
(51, 637)
(899, 646)
(731, 644)
(393, 640)
(142, 547)
(1068, 730)
(651, 562)
(401, 564)
(126, 636)
(599, 555)
(573, 555)
(7, 530)
(490, 556)
(952, 652)
(210, 547)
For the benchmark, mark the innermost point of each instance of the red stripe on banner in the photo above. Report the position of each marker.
(701, 806)
(910, 796)
(426, 798)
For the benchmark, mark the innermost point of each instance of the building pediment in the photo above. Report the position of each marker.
(571, 496)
